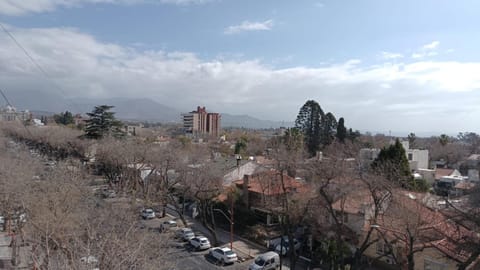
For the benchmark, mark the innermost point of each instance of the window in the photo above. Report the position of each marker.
(433, 265)
(383, 248)
(410, 156)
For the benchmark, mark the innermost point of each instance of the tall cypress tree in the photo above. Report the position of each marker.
(309, 124)
(328, 129)
(341, 130)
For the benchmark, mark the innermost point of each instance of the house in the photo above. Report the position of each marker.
(417, 158)
(264, 191)
(446, 180)
(407, 226)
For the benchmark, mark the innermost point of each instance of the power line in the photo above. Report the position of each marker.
(15, 112)
(37, 65)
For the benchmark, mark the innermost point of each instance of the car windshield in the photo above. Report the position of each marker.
(229, 252)
(204, 241)
(260, 261)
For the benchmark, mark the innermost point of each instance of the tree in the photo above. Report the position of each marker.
(328, 129)
(411, 139)
(341, 130)
(308, 122)
(443, 139)
(471, 139)
(393, 164)
(102, 123)
(65, 118)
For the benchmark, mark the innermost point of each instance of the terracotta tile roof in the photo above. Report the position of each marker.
(436, 229)
(269, 183)
(441, 172)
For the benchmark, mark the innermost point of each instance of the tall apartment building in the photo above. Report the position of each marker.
(200, 122)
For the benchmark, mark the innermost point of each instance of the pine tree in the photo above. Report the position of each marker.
(392, 162)
(102, 123)
(309, 124)
(341, 130)
(328, 129)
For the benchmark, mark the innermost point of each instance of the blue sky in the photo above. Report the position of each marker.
(383, 65)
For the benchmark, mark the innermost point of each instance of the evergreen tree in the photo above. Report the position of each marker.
(443, 139)
(353, 135)
(309, 124)
(65, 118)
(102, 123)
(411, 139)
(341, 130)
(328, 129)
(392, 162)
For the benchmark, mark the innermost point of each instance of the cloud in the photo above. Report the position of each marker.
(22, 7)
(319, 5)
(249, 26)
(427, 50)
(439, 95)
(389, 55)
(431, 46)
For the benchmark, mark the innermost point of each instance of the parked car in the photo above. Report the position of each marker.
(185, 234)
(266, 261)
(148, 213)
(223, 255)
(200, 242)
(2, 223)
(285, 249)
(169, 224)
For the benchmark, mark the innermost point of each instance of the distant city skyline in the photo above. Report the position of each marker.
(404, 66)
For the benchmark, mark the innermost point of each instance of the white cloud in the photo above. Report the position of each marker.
(427, 50)
(439, 95)
(22, 7)
(431, 46)
(249, 26)
(390, 55)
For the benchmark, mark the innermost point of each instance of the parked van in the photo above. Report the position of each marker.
(266, 261)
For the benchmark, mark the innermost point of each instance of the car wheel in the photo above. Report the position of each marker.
(222, 261)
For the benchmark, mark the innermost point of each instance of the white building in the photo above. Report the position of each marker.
(9, 113)
(418, 159)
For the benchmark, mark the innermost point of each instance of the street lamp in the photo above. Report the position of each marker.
(231, 223)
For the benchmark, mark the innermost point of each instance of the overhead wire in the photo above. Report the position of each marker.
(37, 65)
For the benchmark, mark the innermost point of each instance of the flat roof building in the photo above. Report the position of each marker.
(200, 122)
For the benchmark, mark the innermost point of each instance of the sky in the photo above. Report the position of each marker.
(408, 65)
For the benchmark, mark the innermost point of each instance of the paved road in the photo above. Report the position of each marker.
(186, 257)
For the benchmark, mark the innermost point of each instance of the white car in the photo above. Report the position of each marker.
(185, 234)
(169, 224)
(148, 213)
(223, 255)
(200, 242)
(286, 246)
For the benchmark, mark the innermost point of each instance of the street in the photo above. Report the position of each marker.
(186, 257)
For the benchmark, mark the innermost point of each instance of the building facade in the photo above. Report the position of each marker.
(201, 122)
(9, 113)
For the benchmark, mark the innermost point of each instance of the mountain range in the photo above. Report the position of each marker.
(133, 109)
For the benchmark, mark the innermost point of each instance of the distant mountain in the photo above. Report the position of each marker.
(247, 121)
(139, 109)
